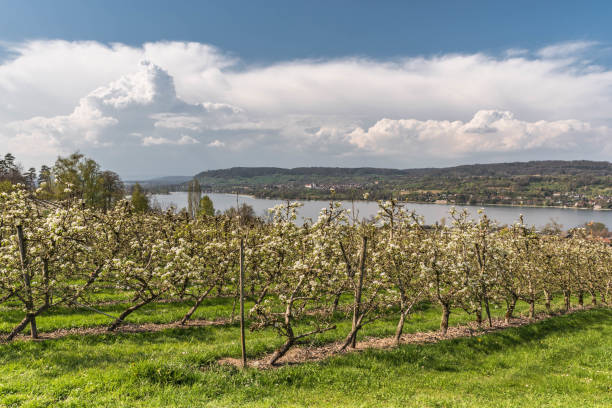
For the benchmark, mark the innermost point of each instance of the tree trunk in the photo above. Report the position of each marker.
(127, 312)
(357, 314)
(532, 308)
(33, 328)
(548, 299)
(45, 273)
(192, 310)
(566, 299)
(351, 339)
(400, 328)
(262, 295)
(293, 339)
(400, 324)
(510, 309)
(336, 302)
(488, 310)
(29, 302)
(593, 298)
(581, 299)
(282, 350)
(195, 306)
(404, 311)
(19, 328)
(444, 321)
(27, 319)
(479, 317)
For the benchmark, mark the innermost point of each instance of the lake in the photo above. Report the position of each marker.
(567, 217)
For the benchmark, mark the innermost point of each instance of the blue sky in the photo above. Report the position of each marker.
(267, 31)
(153, 88)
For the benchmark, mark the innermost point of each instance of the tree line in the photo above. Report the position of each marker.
(71, 177)
(583, 184)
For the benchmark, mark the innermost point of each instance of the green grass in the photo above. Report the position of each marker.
(426, 318)
(64, 317)
(561, 362)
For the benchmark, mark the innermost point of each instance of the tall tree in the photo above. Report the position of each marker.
(45, 182)
(140, 201)
(112, 189)
(244, 213)
(30, 178)
(206, 207)
(194, 194)
(77, 176)
(66, 176)
(10, 170)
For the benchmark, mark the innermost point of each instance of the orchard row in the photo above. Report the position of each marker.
(301, 279)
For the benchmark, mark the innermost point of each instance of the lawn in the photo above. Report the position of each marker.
(564, 361)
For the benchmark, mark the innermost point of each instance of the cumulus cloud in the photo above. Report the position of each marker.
(138, 104)
(183, 140)
(488, 131)
(216, 143)
(199, 105)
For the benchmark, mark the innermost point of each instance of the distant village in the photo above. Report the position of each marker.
(556, 199)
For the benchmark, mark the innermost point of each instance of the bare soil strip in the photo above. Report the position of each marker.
(302, 354)
(299, 355)
(124, 328)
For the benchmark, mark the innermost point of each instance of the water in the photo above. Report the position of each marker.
(539, 217)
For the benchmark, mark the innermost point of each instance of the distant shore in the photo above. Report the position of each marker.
(419, 202)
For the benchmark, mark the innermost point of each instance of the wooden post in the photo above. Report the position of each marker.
(241, 283)
(29, 301)
(357, 306)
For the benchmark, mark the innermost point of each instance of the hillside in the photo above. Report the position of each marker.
(161, 181)
(547, 167)
(581, 183)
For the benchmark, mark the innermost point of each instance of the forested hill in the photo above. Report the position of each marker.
(547, 167)
(581, 183)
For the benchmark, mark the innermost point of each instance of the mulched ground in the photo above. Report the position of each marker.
(124, 328)
(303, 354)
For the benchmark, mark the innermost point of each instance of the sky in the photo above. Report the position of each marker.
(151, 88)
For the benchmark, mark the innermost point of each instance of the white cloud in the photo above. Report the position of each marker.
(566, 49)
(216, 143)
(141, 103)
(171, 121)
(58, 96)
(516, 52)
(488, 131)
(154, 141)
(187, 140)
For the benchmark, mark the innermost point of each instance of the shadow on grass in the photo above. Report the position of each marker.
(76, 352)
(461, 353)
(214, 307)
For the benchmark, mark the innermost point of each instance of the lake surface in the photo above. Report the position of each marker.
(567, 217)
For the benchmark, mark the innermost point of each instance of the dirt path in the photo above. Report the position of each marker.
(298, 355)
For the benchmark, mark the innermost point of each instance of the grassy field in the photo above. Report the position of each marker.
(565, 361)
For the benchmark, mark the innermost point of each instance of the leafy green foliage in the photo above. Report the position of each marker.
(139, 200)
(206, 207)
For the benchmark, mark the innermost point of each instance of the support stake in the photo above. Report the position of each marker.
(241, 283)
